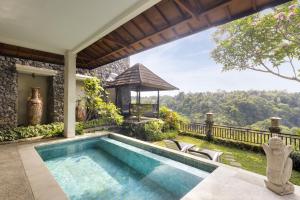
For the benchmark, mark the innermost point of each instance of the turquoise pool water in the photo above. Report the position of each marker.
(103, 168)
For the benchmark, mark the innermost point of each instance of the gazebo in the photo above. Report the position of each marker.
(138, 78)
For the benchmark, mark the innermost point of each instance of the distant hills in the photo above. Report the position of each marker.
(239, 108)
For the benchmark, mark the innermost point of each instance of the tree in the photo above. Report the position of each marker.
(265, 42)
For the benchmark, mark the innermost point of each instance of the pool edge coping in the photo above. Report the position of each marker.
(45, 187)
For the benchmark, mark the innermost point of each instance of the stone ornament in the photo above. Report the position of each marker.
(279, 166)
(34, 107)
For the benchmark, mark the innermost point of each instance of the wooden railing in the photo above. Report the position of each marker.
(240, 134)
(144, 109)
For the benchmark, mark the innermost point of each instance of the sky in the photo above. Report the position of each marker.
(186, 63)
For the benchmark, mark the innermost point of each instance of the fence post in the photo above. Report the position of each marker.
(274, 128)
(209, 122)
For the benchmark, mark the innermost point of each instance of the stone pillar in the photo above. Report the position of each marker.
(274, 128)
(69, 94)
(209, 122)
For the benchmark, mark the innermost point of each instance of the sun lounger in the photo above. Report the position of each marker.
(192, 149)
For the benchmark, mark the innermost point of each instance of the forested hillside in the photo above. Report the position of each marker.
(239, 108)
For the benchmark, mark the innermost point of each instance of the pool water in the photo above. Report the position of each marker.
(103, 168)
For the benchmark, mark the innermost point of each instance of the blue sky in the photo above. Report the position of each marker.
(186, 63)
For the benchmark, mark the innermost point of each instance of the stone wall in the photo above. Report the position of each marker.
(104, 71)
(9, 87)
(8, 94)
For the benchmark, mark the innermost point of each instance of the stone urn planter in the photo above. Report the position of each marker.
(80, 111)
(34, 107)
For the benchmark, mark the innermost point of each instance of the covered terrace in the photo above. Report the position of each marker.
(90, 34)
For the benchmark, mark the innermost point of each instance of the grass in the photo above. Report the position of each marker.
(250, 161)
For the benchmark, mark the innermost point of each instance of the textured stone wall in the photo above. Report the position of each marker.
(104, 71)
(8, 94)
(9, 86)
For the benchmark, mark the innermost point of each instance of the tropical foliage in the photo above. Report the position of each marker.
(267, 42)
(172, 120)
(150, 130)
(45, 131)
(97, 107)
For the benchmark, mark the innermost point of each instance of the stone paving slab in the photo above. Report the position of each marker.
(230, 159)
(14, 184)
(235, 164)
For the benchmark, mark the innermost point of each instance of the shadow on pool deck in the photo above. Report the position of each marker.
(14, 184)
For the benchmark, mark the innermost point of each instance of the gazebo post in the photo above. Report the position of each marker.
(157, 104)
(139, 102)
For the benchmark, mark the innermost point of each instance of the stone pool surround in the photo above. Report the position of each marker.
(224, 182)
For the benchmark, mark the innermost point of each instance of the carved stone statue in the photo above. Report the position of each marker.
(279, 166)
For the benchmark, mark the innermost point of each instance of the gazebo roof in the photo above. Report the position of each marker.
(139, 76)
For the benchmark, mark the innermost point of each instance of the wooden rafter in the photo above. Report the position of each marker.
(166, 21)
(186, 8)
(128, 32)
(160, 32)
(162, 15)
(228, 12)
(149, 22)
(114, 41)
(254, 4)
(138, 27)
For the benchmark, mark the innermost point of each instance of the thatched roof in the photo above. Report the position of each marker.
(139, 76)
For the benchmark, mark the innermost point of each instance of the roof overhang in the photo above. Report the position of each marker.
(56, 26)
(103, 31)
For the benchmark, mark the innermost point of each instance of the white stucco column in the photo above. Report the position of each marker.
(69, 94)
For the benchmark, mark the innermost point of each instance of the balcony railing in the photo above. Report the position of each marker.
(240, 134)
(147, 110)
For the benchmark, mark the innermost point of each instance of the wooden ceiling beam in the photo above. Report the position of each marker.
(106, 45)
(128, 32)
(114, 41)
(187, 9)
(86, 55)
(228, 12)
(162, 15)
(138, 27)
(153, 27)
(184, 21)
(99, 47)
(179, 9)
(218, 6)
(151, 41)
(120, 39)
(254, 6)
(149, 22)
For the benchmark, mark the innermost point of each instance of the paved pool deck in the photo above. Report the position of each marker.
(23, 175)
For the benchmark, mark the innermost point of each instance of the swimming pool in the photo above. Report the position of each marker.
(105, 168)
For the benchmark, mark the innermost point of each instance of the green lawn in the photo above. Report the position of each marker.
(251, 161)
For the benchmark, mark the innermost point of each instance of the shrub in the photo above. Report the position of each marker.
(46, 130)
(172, 119)
(296, 160)
(153, 130)
(97, 107)
(149, 130)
